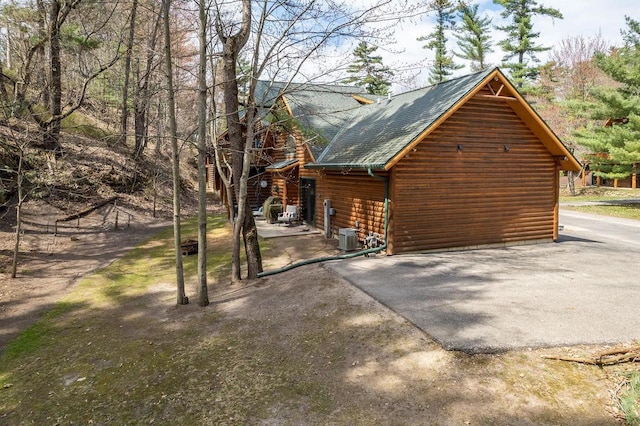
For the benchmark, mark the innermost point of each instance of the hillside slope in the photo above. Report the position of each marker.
(91, 171)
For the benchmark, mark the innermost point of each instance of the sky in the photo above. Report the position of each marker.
(581, 17)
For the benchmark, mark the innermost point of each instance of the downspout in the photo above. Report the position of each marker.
(386, 204)
(349, 255)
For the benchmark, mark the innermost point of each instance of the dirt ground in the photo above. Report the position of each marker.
(362, 355)
(50, 263)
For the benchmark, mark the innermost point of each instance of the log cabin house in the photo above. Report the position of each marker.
(463, 163)
(263, 152)
(299, 121)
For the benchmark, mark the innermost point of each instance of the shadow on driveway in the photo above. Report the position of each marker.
(576, 291)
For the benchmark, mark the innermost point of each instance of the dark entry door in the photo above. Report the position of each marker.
(308, 197)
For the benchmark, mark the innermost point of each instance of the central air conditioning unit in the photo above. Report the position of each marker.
(347, 239)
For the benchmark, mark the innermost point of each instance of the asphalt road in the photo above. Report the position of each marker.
(607, 229)
(584, 289)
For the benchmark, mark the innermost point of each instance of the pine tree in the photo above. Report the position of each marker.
(521, 39)
(443, 65)
(368, 71)
(615, 147)
(474, 41)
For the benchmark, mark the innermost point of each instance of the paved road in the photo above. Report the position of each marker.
(603, 228)
(585, 289)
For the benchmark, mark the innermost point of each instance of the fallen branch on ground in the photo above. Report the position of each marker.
(85, 212)
(610, 357)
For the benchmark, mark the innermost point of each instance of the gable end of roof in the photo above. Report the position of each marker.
(378, 136)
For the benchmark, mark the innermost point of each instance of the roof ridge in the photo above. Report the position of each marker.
(487, 70)
(308, 84)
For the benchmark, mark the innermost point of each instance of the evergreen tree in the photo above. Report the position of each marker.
(474, 41)
(244, 78)
(368, 71)
(443, 65)
(615, 147)
(521, 39)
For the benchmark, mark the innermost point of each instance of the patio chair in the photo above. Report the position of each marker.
(257, 213)
(289, 216)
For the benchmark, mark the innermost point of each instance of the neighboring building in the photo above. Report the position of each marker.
(588, 176)
(463, 163)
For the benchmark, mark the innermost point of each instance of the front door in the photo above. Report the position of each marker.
(308, 198)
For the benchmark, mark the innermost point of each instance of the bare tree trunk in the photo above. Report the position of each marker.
(240, 155)
(139, 118)
(127, 71)
(234, 131)
(42, 33)
(4, 96)
(58, 14)
(203, 297)
(572, 184)
(52, 130)
(182, 299)
(9, 49)
(16, 245)
(218, 153)
(142, 95)
(160, 128)
(249, 230)
(229, 198)
(231, 47)
(252, 245)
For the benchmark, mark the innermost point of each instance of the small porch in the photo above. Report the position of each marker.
(268, 230)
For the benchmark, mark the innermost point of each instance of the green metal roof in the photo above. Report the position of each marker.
(374, 134)
(320, 109)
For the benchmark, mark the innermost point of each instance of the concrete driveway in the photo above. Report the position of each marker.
(584, 289)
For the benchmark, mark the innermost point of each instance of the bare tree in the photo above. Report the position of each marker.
(232, 42)
(15, 146)
(42, 34)
(182, 299)
(144, 90)
(284, 36)
(127, 71)
(221, 162)
(574, 68)
(21, 198)
(47, 90)
(203, 298)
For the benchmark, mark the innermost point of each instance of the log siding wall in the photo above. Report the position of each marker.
(482, 193)
(355, 197)
(288, 186)
(287, 181)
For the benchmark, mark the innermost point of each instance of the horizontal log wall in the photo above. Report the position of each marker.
(481, 178)
(288, 186)
(355, 197)
(287, 181)
(256, 194)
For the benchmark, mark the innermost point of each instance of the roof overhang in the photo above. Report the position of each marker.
(346, 166)
(282, 166)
